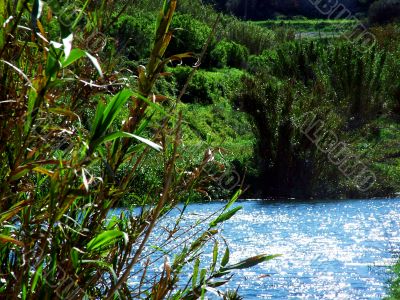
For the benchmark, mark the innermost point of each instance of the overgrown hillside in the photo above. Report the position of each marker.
(254, 86)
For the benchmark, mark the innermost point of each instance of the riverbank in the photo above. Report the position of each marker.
(255, 82)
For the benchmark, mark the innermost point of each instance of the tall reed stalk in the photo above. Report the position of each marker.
(72, 139)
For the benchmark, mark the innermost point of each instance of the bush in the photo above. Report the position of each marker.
(229, 54)
(133, 35)
(254, 37)
(207, 87)
(190, 35)
(384, 11)
(202, 88)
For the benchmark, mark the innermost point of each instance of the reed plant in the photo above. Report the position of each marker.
(73, 134)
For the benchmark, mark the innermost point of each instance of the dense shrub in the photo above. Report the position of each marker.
(229, 54)
(133, 35)
(190, 35)
(384, 11)
(345, 88)
(254, 37)
(202, 89)
(207, 87)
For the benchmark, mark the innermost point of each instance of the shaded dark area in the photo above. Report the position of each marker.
(261, 10)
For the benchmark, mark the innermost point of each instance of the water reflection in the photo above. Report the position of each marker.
(331, 249)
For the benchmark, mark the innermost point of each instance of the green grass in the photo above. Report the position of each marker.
(377, 144)
(310, 25)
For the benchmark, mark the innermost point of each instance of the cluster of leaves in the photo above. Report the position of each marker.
(229, 54)
(74, 132)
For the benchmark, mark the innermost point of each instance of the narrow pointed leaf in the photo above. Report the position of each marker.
(225, 258)
(105, 239)
(7, 239)
(36, 277)
(251, 262)
(225, 216)
(195, 273)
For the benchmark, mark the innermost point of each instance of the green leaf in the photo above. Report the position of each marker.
(31, 107)
(74, 257)
(225, 216)
(250, 262)
(215, 256)
(52, 65)
(106, 239)
(73, 57)
(38, 274)
(121, 134)
(233, 199)
(203, 274)
(98, 116)
(105, 117)
(195, 273)
(24, 291)
(20, 174)
(225, 258)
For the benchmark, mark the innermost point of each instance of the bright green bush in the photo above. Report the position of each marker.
(206, 87)
(229, 54)
(190, 34)
(132, 35)
(254, 37)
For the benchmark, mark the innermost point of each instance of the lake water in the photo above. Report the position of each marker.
(330, 249)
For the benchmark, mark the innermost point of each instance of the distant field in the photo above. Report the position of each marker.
(311, 25)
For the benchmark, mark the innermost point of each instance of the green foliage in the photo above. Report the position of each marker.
(311, 25)
(253, 37)
(394, 292)
(347, 89)
(190, 35)
(229, 54)
(206, 87)
(77, 135)
(232, 295)
(133, 34)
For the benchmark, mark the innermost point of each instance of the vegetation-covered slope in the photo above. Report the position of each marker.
(274, 78)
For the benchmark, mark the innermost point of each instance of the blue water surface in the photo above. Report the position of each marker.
(330, 249)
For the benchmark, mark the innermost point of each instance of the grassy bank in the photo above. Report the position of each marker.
(303, 25)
